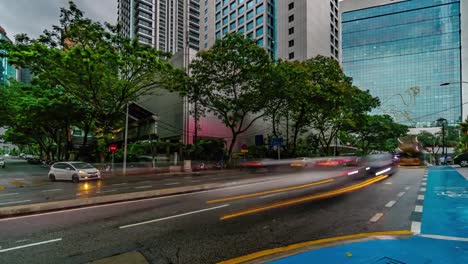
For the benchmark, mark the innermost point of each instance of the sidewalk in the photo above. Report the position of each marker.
(443, 237)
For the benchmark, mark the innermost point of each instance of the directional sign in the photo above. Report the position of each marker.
(113, 148)
(244, 148)
(276, 142)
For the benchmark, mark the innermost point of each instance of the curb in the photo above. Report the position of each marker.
(17, 210)
(294, 249)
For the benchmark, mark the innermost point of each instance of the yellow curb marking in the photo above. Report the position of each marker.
(307, 198)
(267, 252)
(268, 192)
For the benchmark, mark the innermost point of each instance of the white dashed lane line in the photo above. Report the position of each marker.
(14, 202)
(52, 190)
(401, 194)
(422, 189)
(8, 194)
(407, 188)
(172, 183)
(390, 204)
(418, 208)
(143, 187)
(420, 197)
(376, 217)
(116, 184)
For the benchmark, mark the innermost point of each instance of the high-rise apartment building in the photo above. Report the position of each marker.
(163, 24)
(403, 51)
(308, 28)
(254, 18)
(7, 71)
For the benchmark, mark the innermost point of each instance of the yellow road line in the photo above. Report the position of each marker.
(267, 252)
(2, 187)
(18, 183)
(268, 192)
(307, 198)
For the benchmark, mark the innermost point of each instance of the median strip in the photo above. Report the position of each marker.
(306, 199)
(268, 192)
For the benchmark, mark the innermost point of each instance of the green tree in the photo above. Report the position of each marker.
(432, 143)
(375, 132)
(229, 81)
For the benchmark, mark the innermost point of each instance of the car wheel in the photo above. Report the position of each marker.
(52, 178)
(464, 163)
(75, 179)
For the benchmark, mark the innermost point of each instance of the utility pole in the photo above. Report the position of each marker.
(125, 143)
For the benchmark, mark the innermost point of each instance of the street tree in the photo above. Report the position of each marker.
(229, 81)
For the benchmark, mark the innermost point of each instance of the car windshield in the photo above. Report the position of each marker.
(1, 159)
(82, 165)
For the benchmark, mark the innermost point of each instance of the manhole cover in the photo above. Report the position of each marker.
(388, 260)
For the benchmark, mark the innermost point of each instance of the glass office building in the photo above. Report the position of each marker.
(402, 52)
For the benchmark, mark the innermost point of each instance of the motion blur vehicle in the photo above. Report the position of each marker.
(461, 159)
(379, 164)
(75, 171)
(303, 162)
(2, 163)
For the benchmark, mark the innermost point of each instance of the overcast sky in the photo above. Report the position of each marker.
(33, 16)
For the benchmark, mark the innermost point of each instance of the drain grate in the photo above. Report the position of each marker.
(387, 260)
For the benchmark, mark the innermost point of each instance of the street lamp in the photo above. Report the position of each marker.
(461, 95)
(442, 122)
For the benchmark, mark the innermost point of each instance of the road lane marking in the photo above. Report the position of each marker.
(388, 183)
(144, 187)
(289, 248)
(423, 184)
(123, 183)
(407, 188)
(8, 194)
(422, 189)
(106, 191)
(196, 181)
(269, 195)
(401, 194)
(23, 201)
(306, 199)
(145, 181)
(52, 190)
(464, 239)
(418, 208)
(30, 245)
(416, 227)
(390, 204)
(420, 197)
(269, 192)
(22, 240)
(173, 216)
(136, 201)
(171, 183)
(376, 217)
(19, 179)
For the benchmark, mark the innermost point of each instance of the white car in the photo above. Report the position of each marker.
(2, 162)
(75, 171)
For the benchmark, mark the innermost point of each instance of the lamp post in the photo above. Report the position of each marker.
(442, 122)
(461, 94)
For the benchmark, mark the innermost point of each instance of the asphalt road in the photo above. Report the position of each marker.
(189, 228)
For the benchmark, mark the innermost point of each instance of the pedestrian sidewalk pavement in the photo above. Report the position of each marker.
(443, 237)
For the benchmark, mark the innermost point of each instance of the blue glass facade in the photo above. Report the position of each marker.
(254, 18)
(6, 70)
(402, 52)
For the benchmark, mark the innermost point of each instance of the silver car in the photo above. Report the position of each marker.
(2, 163)
(75, 171)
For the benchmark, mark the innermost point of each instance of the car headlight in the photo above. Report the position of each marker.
(82, 172)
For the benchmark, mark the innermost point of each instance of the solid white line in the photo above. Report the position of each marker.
(196, 181)
(376, 217)
(401, 194)
(446, 237)
(30, 245)
(174, 216)
(422, 189)
(52, 190)
(144, 181)
(418, 208)
(416, 227)
(8, 194)
(136, 201)
(390, 204)
(172, 183)
(106, 191)
(420, 197)
(407, 188)
(143, 187)
(23, 201)
(423, 184)
(119, 183)
(388, 183)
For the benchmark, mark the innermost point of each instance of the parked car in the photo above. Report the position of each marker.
(75, 171)
(461, 159)
(445, 162)
(2, 163)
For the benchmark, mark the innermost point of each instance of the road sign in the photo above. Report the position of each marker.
(244, 148)
(113, 148)
(276, 142)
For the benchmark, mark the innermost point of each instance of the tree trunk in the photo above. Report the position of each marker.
(231, 147)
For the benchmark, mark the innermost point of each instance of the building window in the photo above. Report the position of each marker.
(225, 11)
(218, 6)
(291, 55)
(218, 25)
(291, 6)
(225, 31)
(233, 5)
(241, 30)
(291, 18)
(206, 37)
(218, 35)
(206, 11)
(241, 1)
(259, 32)
(250, 4)
(291, 30)
(225, 21)
(241, 10)
(260, 42)
(249, 25)
(232, 16)
(232, 26)
(241, 20)
(259, 20)
(249, 15)
(259, 9)
(218, 17)
(291, 43)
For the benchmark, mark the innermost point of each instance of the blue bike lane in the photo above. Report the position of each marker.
(441, 236)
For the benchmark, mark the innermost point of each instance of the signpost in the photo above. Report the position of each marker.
(278, 142)
(113, 149)
(244, 148)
